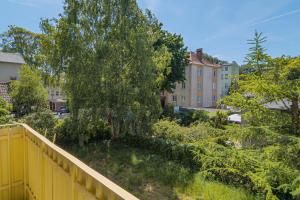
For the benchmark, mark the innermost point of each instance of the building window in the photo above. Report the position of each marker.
(199, 99)
(226, 86)
(222, 76)
(199, 86)
(174, 98)
(214, 86)
(57, 93)
(215, 73)
(214, 98)
(226, 69)
(226, 76)
(182, 99)
(183, 85)
(199, 72)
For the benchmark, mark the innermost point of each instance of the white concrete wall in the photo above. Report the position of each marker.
(8, 71)
(207, 86)
(52, 93)
(182, 92)
(194, 89)
(219, 83)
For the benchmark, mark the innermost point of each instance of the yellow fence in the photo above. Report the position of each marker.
(33, 168)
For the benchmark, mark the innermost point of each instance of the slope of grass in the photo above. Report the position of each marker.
(149, 176)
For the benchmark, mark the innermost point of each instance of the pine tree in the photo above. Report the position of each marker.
(256, 59)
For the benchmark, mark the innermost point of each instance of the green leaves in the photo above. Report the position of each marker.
(28, 93)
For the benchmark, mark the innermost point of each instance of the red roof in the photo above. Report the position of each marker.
(193, 59)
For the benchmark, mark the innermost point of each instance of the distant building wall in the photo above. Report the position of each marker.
(9, 71)
(203, 85)
(230, 71)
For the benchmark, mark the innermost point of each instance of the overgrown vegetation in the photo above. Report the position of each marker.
(5, 109)
(115, 62)
(150, 176)
(28, 93)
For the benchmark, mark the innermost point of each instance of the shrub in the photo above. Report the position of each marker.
(252, 137)
(5, 108)
(220, 120)
(82, 130)
(42, 121)
(203, 147)
(186, 116)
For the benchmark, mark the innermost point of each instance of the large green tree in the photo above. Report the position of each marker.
(25, 42)
(275, 82)
(172, 56)
(256, 59)
(110, 63)
(28, 93)
(34, 47)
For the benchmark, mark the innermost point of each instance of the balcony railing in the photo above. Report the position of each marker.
(33, 168)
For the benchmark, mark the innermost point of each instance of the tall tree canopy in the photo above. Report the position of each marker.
(272, 81)
(256, 59)
(110, 62)
(174, 68)
(34, 47)
(25, 42)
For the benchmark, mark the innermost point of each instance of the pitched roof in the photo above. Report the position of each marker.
(195, 60)
(11, 58)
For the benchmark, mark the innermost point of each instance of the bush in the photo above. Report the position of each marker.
(42, 121)
(252, 137)
(220, 120)
(82, 130)
(263, 164)
(5, 108)
(185, 117)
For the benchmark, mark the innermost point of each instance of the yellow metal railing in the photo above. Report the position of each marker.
(33, 168)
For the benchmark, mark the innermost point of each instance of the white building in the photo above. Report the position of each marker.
(10, 64)
(201, 88)
(230, 71)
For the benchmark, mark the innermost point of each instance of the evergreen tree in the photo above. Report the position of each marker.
(256, 59)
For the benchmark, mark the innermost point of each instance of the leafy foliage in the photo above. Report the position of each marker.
(256, 59)
(275, 81)
(252, 157)
(219, 120)
(28, 93)
(42, 121)
(5, 109)
(174, 70)
(88, 128)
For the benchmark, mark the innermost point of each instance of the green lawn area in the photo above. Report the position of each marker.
(151, 177)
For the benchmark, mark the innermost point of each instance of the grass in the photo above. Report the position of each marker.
(149, 176)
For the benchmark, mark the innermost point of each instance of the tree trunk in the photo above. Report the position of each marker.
(163, 101)
(295, 115)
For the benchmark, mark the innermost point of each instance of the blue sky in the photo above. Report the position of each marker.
(220, 27)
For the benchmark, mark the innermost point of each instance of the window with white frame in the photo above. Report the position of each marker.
(226, 85)
(174, 98)
(214, 98)
(199, 72)
(199, 86)
(182, 99)
(226, 69)
(199, 99)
